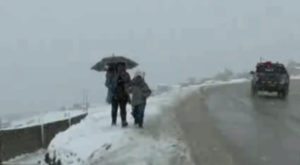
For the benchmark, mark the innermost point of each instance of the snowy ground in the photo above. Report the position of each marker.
(43, 119)
(27, 159)
(95, 142)
(295, 77)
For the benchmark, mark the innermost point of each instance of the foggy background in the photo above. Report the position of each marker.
(48, 47)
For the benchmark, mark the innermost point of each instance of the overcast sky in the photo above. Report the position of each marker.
(48, 47)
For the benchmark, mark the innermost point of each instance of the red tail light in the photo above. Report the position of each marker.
(269, 64)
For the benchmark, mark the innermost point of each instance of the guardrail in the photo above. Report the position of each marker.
(27, 140)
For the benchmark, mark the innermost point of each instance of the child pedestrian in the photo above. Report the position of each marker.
(140, 92)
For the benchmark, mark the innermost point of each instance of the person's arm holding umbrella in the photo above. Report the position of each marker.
(127, 80)
(127, 83)
(111, 84)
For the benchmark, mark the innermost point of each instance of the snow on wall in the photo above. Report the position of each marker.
(24, 140)
(43, 119)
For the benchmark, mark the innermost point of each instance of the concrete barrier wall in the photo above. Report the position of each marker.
(51, 129)
(26, 140)
(16, 142)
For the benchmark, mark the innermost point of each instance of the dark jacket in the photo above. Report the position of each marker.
(123, 81)
(140, 91)
(111, 84)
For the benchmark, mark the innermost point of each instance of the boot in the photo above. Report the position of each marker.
(141, 125)
(113, 123)
(124, 124)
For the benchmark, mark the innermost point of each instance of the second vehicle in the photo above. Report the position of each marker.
(271, 77)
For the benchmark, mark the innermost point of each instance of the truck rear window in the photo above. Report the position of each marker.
(273, 69)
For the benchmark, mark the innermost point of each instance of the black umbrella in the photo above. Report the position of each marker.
(103, 64)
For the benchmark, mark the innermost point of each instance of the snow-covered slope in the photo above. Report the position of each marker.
(95, 141)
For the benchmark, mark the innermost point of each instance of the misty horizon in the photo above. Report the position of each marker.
(48, 48)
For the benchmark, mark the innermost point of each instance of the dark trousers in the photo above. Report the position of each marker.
(114, 110)
(138, 114)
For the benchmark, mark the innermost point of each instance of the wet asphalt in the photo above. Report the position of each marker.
(226, 125)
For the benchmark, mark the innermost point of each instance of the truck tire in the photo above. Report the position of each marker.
(253, 91)
(283, 94)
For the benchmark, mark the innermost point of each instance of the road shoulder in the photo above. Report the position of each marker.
(205, 141)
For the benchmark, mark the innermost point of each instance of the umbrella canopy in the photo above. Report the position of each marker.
(103, 64)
